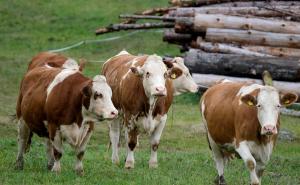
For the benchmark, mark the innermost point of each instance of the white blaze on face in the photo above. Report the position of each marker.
(184, 83)
(100, 102)
(154, 74)
(268, 109)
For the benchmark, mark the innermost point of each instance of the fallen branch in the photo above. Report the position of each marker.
(153, 17)
(154, 11)
(119, 27)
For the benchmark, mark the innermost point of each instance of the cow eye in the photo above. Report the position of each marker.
(97, 95)
(259, 106)
(278, 106)
(147, 75)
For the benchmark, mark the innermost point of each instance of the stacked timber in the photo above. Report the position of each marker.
(229, 38)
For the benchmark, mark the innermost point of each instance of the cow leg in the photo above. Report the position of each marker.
(154, 141)
(23, 136)
(50, 155)
(114, 134)
(260, 168)
(219, 161)
(85, 135)
(56, 140)
(131, 139)
(244, 151)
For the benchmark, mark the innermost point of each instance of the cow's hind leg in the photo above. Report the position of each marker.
(56, 140)
(244, 151)
(23, 137)
(219, 161)
(114, 134)
(86, 131)
(131, 139)
(50, 154)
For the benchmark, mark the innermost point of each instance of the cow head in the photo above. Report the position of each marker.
(268, 102)
(154, 74)
(97, 99)
(184, 83)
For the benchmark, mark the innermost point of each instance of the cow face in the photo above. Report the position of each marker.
(184, 83)
(99, 104)
(268, 102)
(154, 74)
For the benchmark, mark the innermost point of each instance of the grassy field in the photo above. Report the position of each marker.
(28, 27)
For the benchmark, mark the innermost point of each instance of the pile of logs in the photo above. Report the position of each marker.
(229, 38)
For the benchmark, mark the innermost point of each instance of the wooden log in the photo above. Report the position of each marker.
(155, 11)
(210, 79)
(203, 21)
(275, 51)
(251, 37)
(119, 27)
(240, 11)
(188, 3)
(225, 48)
(284, 69)
(153, 17)
(256, 4)
(176, 38)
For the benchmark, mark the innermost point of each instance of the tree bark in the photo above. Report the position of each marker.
(251, 37)
(257, 4)
(119, 27)
(240, 11)
(203, 21)
(225, 48)
(176, 38)
(187, 3)
(284, 69)
(275, 51)
(208, 80)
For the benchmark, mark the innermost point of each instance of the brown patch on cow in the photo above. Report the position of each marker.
(250, 165)
(155, 147)
(57, 154)
(260, 172)
(132, 136)
(91, 126)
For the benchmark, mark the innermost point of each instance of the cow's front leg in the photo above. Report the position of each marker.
(260, 168)
(23, 136)
(56, 140)
(131, 139)
(244, 151)
(154, 141)
(50, 154)
(114, 134)
(86, 131)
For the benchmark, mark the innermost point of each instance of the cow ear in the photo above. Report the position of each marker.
(87, 90)
(168, 63)
(249, 100)
(288, 99)
(137, 71)
(174, 73)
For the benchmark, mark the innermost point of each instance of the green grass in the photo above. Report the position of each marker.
(28, 27)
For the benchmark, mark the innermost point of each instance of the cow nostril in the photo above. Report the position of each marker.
(113, 113)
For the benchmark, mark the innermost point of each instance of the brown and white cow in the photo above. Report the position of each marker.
(61, 104)
(54, 60)
(143, 93)
(244, 119)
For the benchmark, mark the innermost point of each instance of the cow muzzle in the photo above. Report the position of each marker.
(112, 114)
(160, 91)
(269, 130)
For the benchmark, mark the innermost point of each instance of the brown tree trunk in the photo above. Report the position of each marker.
(176, 38)
(284, 69)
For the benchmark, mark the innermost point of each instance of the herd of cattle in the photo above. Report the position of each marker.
(58, 102)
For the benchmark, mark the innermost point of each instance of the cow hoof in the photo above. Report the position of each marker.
(19, 165)
(56, 168)
(116, 162)
(153, 164)
(129, 164)
(220, 180)
(50, 165)
(80, 172)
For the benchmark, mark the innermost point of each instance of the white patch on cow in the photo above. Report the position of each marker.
(247, 89)
(185, 82)
(244, 151)
(268, 108)
(123, 52)
(261, 152)
(226, 81)
(70, 133)
(70, 64)
(60, 77)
